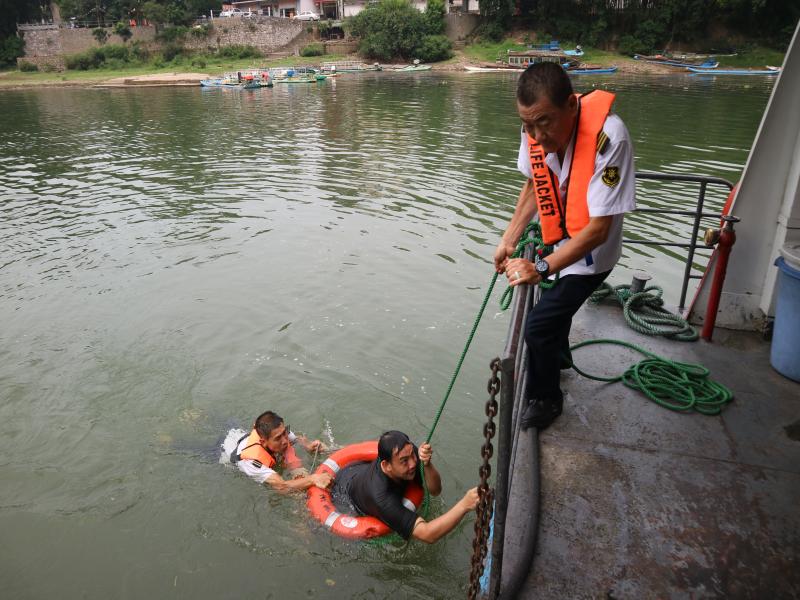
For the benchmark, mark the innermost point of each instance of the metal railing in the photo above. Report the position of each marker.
(697, 214)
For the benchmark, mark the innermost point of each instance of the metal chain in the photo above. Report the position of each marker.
(485, 493)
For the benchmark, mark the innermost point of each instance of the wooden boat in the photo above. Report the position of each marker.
(767, 71)
(348, 66)
(412, 68)
(231, 84)
(663, 60)
(494, 69)
(587, 70)
(297, 79)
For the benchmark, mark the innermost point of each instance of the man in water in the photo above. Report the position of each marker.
(268, 450)
(578, 160)
(377, 488)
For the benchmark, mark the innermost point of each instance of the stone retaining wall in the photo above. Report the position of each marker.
(268, 34)
(459, 25)
(46, 47)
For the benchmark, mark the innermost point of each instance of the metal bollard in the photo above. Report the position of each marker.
(639, 281)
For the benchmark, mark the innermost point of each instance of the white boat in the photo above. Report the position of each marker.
(491, 69)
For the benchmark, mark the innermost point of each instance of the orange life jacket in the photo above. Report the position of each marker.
(560, 218)
(253, 450)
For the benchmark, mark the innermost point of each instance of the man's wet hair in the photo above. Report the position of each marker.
(391, 442)
(267, 422)
(544, 79)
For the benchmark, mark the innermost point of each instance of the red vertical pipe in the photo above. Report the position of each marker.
(727, 238)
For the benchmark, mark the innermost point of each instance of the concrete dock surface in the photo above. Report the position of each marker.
(638, 501)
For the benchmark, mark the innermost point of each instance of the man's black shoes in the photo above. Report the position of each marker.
(542, 412)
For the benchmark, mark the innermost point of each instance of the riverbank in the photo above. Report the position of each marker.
(188, 75)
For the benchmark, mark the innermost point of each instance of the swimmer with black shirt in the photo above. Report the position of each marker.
(376, 489)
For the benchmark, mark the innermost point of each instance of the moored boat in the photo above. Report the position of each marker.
(505, 69)
(348, 66)
(664, 60)
(523, 58)
(589, 70)
(768, 71)
(412, 68)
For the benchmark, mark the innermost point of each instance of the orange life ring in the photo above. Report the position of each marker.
(351, 526)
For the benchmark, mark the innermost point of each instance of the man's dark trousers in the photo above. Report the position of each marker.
(547, 332)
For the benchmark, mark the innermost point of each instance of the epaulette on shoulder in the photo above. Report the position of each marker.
(602, 142)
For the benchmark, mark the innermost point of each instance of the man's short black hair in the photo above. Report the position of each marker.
(267, 422)
(391, 442)
(544, 79)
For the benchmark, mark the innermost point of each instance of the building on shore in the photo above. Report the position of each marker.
(329, 9)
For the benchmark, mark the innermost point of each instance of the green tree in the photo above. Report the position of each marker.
(434, 17)
(156, 13)
(498, 11)
(395, 29)
(389, 29)
(11, 47)
(11, 13)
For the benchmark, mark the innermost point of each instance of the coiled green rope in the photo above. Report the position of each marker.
(644, 311)
(674, 385)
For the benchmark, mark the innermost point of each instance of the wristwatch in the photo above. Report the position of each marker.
(542, 268)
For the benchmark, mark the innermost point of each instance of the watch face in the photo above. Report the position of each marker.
(542, 267)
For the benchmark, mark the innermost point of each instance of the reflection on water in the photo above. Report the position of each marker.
(175, 261)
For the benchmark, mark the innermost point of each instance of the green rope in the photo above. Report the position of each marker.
(674, 385)
(531, 235)
(644, 312)
(505, 301)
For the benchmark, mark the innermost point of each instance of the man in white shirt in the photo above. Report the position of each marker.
(578, 160)
(267, 452)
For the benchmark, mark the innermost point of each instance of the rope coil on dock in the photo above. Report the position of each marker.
(674, 385)
(644, 311)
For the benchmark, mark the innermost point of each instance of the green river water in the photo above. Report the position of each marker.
(175, 261)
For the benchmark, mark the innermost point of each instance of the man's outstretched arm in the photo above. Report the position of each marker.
(431, 531)
(280, 484)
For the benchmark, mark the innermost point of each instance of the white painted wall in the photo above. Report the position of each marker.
(308, 5)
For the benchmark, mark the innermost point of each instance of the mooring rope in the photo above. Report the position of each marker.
(678, 386)
(644, 311)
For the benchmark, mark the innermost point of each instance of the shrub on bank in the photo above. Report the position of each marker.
(434, 48)
(100, 34)
(123, 30)
(117, 56)
(172, 34)
(490, 31)
(312, 50)
(27, 67)
(239, 51)
(170, 51)
(96, 58)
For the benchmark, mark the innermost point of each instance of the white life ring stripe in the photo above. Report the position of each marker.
(332, 465)
(409, 504)
(332, 519)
